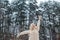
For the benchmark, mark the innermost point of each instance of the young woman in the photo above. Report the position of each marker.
(33, 32)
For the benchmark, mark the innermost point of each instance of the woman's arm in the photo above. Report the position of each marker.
(38, 23)
(22, 33)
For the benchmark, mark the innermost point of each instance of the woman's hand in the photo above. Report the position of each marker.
(40, 17)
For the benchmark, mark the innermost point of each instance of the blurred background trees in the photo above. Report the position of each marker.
(18, 15)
